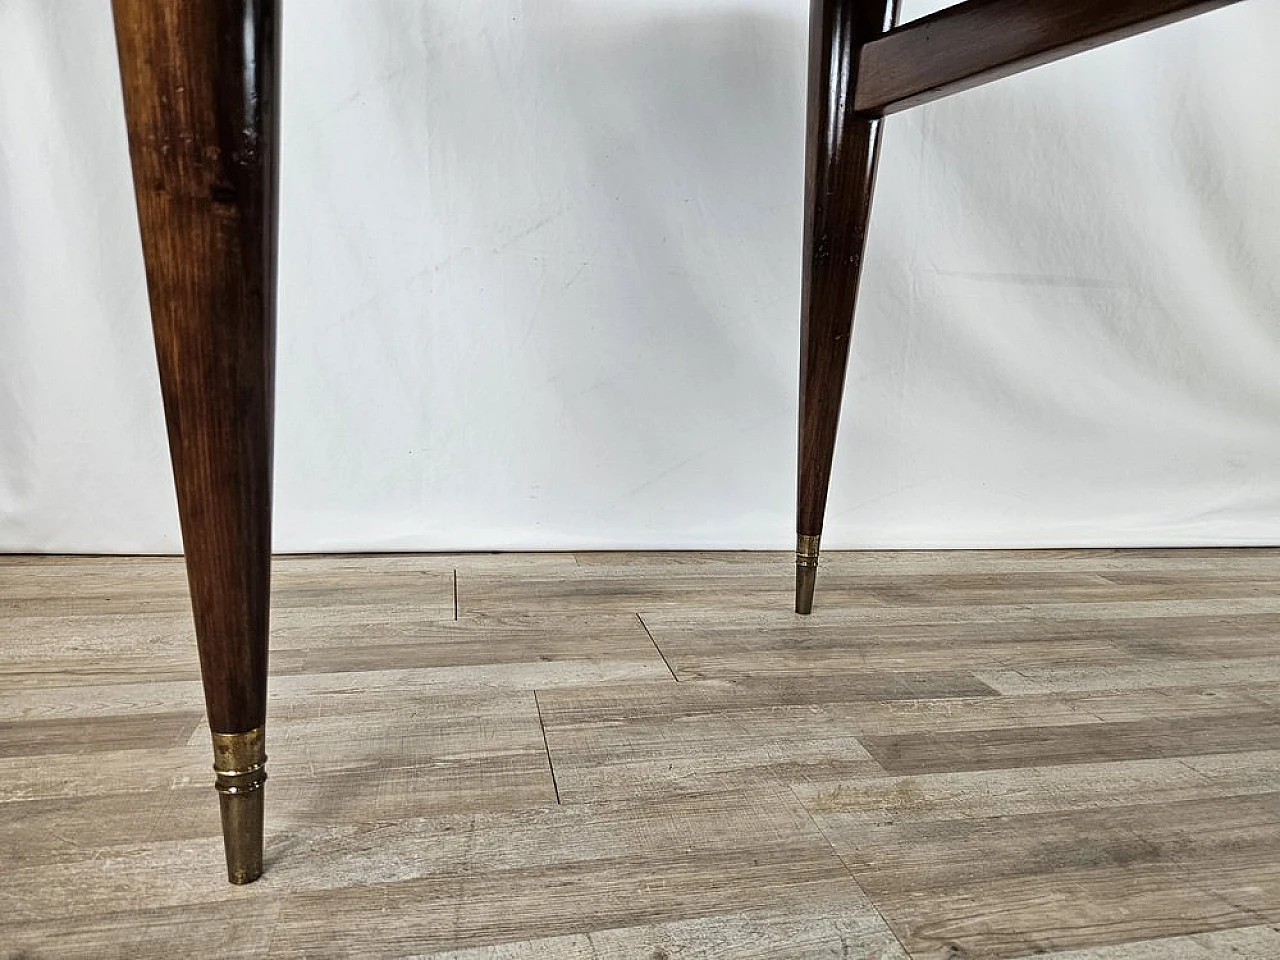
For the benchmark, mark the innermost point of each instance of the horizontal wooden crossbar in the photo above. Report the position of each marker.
(976, 42)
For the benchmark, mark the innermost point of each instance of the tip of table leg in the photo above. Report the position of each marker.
(807, 547)
(240, 763)
(242, 835)
(806, 579)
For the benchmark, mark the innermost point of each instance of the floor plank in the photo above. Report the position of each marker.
(48, 738)
(1033, 746)
(1030, 790)
(783, 645)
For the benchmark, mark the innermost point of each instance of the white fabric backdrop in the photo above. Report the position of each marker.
(540, 281)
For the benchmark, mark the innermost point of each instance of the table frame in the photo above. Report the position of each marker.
(201, 82)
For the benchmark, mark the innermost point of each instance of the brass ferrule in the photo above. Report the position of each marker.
(240, 761)
(240, 769)
(807, 549)
(806, 572)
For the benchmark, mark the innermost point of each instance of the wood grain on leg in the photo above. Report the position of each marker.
(839, 180)
(200, 93)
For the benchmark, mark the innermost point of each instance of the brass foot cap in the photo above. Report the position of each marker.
(240, 767)
(806, 580)
(242, 835)
(806, 572)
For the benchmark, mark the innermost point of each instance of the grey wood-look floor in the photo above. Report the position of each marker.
(1070, 754)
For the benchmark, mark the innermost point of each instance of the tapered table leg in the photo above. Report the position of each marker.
(839, 181)
(200, 93)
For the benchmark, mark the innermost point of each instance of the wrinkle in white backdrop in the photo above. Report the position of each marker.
(540, 280)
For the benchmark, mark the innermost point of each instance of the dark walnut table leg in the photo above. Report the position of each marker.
(839, 181)
(201, 94)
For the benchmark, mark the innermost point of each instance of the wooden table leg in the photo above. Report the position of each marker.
(839, 182)
(200, 93)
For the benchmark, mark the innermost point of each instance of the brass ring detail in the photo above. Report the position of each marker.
(240, 761)
(807, 548)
